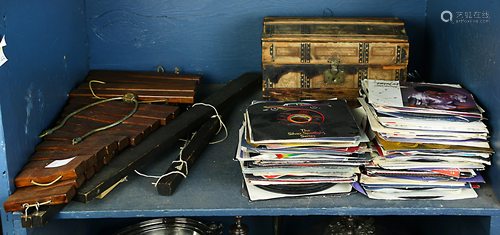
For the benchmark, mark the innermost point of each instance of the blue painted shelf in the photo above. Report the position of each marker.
(213, 188)
(221, 40)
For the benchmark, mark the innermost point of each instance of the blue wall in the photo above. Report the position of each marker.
(468, 52)
(47, 54)
(52, 44)
(219, 39)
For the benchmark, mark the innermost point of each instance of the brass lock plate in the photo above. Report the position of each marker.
(334, 75)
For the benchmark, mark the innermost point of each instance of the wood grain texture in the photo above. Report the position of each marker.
(142, 80)
(89, 172)
(89, 160)
(134, 86)
(190, 120)
(72, 170)
(190, 153)
(98, 152)
(163, 117)
(108, 119)
(165, 77)
(110, 144)
(58, 193)
(134, 137)
(82, 125)
(298, 53)
(333, 20)
(172, 97)
(82, 101)
(146, 119)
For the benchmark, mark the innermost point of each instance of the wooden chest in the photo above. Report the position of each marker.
(322, 58)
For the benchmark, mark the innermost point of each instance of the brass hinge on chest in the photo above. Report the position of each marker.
(334, 75)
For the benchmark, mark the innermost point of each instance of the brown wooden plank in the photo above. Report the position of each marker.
(190, 153)
(332, 20)
(144, 80)
(141, 74)
(72, 170)
(100, 163)
(98, 152)
(130, 86)
(89, 160)
(134, 137)
(58, 193)
(111, 142)
(160, 107)
(74, 182)
(163, 117)
(333, 38)
(89, 172)
(186, 97)
(78, 181)
(108, 119)
(83, 126)
(68, 146)
(335, 30)
(187, 122)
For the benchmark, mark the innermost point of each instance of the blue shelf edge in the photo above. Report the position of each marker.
(213, 188)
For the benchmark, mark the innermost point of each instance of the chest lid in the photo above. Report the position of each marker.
(293, 29)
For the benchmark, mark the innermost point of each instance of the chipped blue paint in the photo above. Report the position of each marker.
(133, 25)
(29, 107)
(41, 106)
(219, 39)
(467, 53)
(471, 53)
(40, 35)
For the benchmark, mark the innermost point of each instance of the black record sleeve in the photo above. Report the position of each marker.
(301, 121)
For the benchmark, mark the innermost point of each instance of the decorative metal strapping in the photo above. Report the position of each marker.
(304, 81)
(305, 53)
(360, 56)
(359, 78)
(398, 56)
(362, 74)
(367, 52)
(271, 50)
(268, 83)
(364, 52)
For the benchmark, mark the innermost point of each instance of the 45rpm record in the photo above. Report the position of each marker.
(296, 189)
(172, 226)
(300, 117)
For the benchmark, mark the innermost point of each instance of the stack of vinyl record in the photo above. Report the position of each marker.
(289, 149)
(430, 139)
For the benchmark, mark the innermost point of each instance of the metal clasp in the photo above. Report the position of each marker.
(334, 75)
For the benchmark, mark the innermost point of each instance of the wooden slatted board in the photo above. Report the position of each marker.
(150, 86)
(99, 149)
